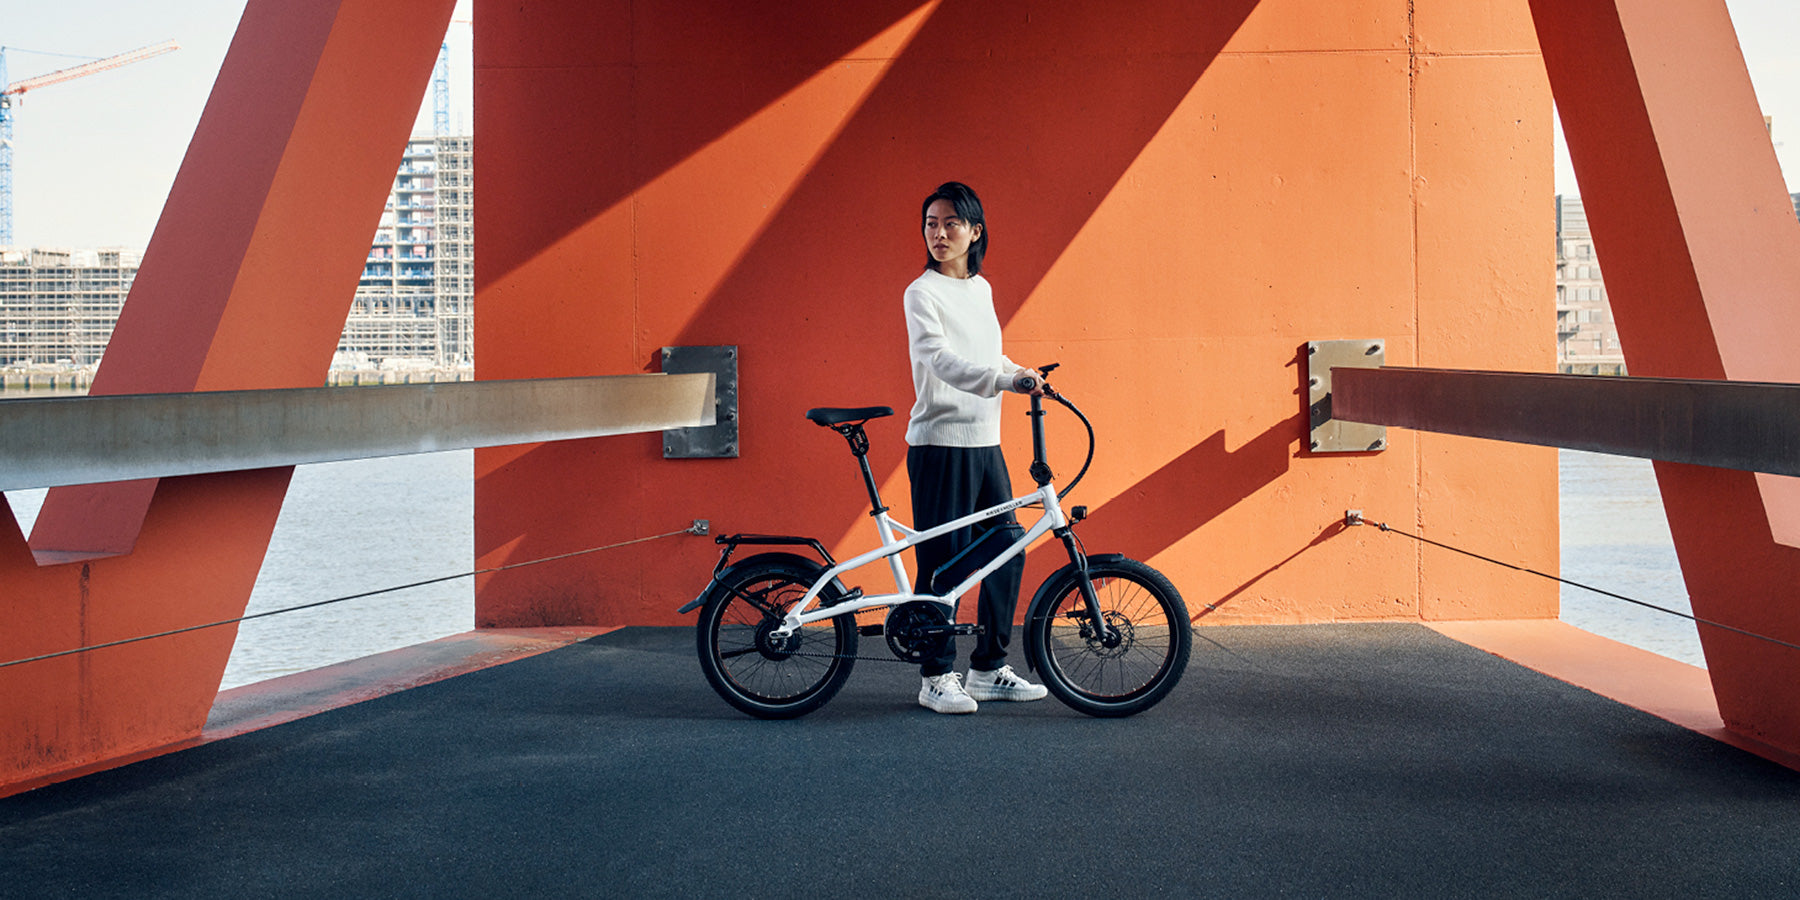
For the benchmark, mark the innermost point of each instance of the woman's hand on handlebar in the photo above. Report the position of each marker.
(1026, 381)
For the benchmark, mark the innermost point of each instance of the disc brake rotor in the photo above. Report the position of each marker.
(1116, 643)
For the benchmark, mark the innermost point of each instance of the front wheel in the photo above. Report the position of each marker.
(766, 676)
(1125, 667)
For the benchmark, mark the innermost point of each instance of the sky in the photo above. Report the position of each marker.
(93, 158)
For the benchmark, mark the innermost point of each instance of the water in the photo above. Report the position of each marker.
(346, 528)
(1615, 536)
(358, 526)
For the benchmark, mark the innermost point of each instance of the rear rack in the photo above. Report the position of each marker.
(731, 542)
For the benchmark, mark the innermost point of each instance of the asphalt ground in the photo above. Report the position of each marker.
(1292, 761)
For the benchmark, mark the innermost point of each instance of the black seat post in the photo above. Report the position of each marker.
(859, 445)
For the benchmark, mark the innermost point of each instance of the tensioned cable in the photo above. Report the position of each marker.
(49, 53)
(385, 590)
(1359, 520)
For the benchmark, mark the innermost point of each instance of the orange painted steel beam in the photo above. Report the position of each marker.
(1692, 219)
(245, 285)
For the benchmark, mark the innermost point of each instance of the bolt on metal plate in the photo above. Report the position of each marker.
(1329, 435)
(718, 441)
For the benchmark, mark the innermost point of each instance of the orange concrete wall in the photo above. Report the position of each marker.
(1179, 197)
(244, 285)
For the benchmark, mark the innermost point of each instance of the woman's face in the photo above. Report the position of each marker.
(947, 238)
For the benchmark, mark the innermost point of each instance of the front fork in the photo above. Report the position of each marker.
(1103, 630)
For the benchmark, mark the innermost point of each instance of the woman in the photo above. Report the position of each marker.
(953, 458)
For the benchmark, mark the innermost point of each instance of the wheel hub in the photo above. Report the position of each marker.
(773, 648)
(1114, 641)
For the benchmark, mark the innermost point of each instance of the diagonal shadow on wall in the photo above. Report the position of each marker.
(1037, 111)
(594, 60)
(1181, 496)
(1042, 107)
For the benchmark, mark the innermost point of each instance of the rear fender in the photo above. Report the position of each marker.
(716, 587)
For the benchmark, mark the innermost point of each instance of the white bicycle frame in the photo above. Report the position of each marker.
(896, 538)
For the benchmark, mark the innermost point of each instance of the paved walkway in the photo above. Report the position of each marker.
(1306, 761)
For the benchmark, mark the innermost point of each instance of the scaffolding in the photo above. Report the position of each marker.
(413, 308)
(415, 301)
(58, 307)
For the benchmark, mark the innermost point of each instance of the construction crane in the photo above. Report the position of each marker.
(440, 85)
(17, 89)
(440, 92)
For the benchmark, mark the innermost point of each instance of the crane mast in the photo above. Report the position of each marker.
(9, 90)
(5, 158)
(440, 92)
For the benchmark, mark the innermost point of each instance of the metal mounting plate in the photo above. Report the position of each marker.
(718, 441)
(1331, 435)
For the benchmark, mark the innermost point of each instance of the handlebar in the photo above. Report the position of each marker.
(1041, 468)
(1027, 381)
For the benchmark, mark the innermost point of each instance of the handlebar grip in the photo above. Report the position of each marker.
(1025, 383)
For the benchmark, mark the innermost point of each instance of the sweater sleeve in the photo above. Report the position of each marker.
(928, 344)
(1012, 370)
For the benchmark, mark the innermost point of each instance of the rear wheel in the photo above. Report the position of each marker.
(766, 676)
(1129, 665)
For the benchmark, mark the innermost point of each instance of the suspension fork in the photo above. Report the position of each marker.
(1108, 635)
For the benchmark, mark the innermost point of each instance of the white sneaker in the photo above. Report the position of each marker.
(1003, 684)
(944, 693)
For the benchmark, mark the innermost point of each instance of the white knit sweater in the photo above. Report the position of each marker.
(958, 370)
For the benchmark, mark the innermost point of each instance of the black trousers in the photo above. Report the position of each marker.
(949, 483)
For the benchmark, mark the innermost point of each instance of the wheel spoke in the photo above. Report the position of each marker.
(756, 602)
(1141, 660)
(767, 677)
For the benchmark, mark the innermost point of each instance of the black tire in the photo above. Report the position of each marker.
(766, 679)
(1139, 667)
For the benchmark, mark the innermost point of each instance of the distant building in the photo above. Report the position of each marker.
(1587, 341)
(415, 302)
(57, 307)
(413, 307)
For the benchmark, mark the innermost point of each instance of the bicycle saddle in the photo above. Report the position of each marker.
(828, 416)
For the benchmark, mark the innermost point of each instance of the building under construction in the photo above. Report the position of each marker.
(414, 302)
(57, 307)
(412, 309)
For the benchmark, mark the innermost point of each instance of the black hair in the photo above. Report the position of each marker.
(968, 208)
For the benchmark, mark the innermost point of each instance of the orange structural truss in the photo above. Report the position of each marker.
(1691, 215)
(1180, 196)
(245, 284)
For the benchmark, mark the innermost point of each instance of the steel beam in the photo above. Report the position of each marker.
(83, 440)
(1751, 426)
